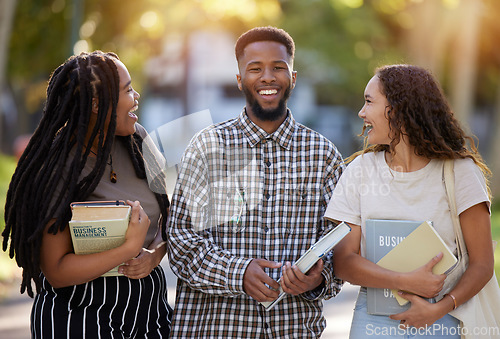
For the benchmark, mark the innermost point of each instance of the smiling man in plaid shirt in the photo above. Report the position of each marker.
(248, 202)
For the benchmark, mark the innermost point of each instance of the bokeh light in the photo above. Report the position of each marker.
(81, 46)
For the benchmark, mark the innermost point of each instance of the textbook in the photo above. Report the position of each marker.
(313, 254)
(381, 237)
(416, 250)
(97, 226)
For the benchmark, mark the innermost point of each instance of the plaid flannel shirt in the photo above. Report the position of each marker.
(242, 193)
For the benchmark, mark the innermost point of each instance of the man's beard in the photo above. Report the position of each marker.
(262, 114)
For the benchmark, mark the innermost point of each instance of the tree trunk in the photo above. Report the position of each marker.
(6, 18)
(430, 19)
(494, 159)
(439, 30)
(464, 59)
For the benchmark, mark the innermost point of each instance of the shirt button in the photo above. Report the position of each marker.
(267, 196)
(266, 229)
(268, 163)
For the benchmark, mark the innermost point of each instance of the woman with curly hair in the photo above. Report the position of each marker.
(88, 146)
(411, 131)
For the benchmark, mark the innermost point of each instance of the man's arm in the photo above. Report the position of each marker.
(331, 285)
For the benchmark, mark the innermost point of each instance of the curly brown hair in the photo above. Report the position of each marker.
(420, 112)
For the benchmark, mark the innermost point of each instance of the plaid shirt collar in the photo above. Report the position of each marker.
(254, 134)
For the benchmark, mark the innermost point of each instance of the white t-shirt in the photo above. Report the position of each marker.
(370, 189)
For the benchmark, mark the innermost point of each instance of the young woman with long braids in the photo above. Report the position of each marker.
(412, 131)
(88, 146)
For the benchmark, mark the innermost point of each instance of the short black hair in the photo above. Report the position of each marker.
(267, 33)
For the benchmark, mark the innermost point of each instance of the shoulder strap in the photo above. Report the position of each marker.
(449, 183)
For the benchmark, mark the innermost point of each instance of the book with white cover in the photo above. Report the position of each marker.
(313, 254)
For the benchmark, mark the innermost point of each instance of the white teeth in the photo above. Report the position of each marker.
(134, 109)
(268, 92)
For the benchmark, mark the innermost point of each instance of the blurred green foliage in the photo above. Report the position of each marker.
(339, 47)
(495, 232)
(6, 170)
(339, 42)
(7, 266)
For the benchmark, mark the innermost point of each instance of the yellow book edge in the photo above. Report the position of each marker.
(416, 250)
(91, 213)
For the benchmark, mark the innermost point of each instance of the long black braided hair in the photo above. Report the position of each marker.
(32, 199)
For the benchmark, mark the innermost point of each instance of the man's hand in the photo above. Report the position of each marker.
(255, 280)
(295, 282)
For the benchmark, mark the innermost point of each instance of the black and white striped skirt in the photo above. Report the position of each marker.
(110, 307)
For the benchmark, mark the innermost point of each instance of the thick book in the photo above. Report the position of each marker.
(416, 250)
(381, 237)
(313, 254)
(97, 226)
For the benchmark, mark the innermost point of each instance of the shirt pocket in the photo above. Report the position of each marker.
(229, 208)
(303, 206)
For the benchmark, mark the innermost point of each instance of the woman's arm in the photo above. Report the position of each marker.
(62, 267)
(476, 228)
(147, 260)
(351, 266)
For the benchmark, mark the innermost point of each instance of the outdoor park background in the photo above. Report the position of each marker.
(181, 59)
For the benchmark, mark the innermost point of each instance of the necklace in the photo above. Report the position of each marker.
(112, 175)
